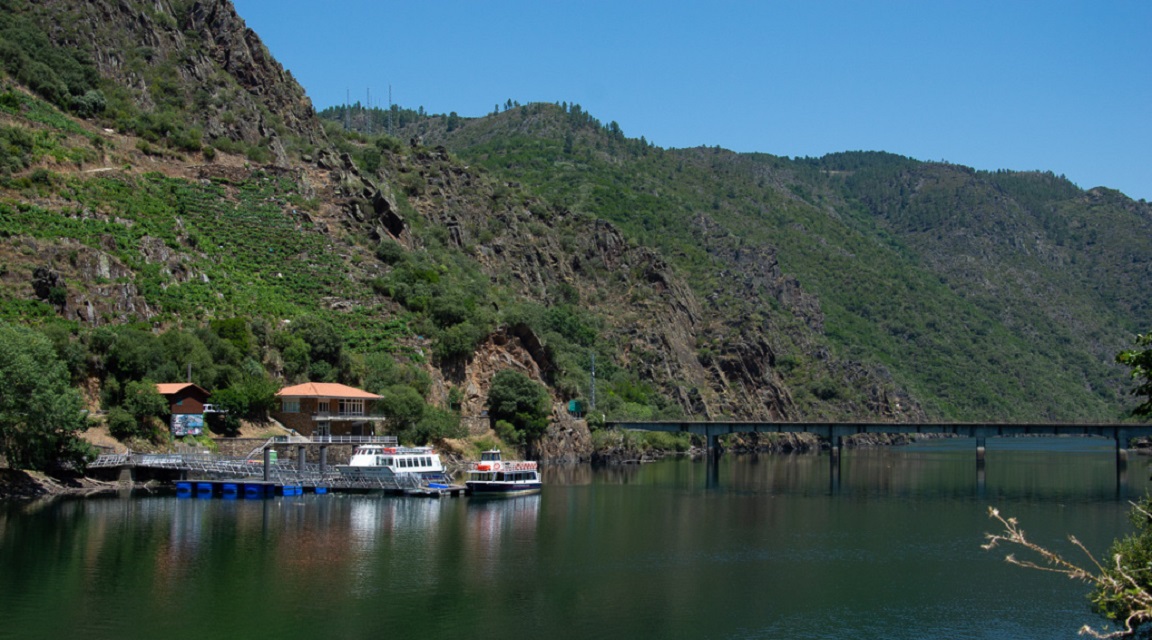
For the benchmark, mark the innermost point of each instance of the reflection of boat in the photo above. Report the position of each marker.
(371, 461)
(494, 476)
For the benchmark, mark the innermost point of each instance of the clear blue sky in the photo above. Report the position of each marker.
(1054, 85)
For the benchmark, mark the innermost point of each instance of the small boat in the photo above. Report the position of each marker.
(371, 461)
(494, 476)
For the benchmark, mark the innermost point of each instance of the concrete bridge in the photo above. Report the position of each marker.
(835, 432)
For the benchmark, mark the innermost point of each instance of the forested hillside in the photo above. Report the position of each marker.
(178, 205)
(990, 295)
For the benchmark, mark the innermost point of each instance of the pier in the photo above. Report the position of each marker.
(262, 475)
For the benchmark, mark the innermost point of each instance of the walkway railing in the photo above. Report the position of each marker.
(286, 472)
(323, 439)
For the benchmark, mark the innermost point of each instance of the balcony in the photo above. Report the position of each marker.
(345, 416)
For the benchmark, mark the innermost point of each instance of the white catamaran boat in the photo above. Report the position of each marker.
(388, 461)
(494, 476)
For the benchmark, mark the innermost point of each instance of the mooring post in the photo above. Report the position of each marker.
(323, 458)
(980, 452)
(267, 462)
(300, 458)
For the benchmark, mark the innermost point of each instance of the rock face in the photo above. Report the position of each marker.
(222, 70)
(714, 363)
(83, 284)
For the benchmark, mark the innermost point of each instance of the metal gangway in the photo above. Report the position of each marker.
(207, 466)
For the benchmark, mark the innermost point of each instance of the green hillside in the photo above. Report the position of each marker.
(989, 295)
(180, 205)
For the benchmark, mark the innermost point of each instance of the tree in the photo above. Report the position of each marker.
(249, 398)
(520, 401)
(40, 414)
(1140, 360)
(144, 402)
(403, 406)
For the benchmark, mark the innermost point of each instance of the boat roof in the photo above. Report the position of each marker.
(391, 448)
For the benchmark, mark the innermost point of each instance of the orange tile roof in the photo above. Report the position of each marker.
(168, 388)
(325, 390)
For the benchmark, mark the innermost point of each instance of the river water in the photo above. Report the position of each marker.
(761, 547)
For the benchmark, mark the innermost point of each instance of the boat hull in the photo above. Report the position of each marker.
(502, 489)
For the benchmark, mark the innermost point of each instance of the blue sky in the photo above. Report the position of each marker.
(1056, 85)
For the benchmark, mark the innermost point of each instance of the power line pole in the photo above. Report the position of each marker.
(389, 109)
(593, 398)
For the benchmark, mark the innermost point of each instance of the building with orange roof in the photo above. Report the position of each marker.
(327, 408)
(187, 403)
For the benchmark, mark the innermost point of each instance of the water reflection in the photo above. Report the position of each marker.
(755, 546)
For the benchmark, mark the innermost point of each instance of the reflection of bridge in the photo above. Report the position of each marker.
(835, 432)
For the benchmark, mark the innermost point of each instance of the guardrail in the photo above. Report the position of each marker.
(385, 440)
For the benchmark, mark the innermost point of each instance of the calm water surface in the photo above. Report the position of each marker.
(764, 547)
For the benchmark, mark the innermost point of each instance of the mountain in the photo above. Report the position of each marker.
(998, 295)
(168, 195)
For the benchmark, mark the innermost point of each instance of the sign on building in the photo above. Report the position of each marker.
(187, 424)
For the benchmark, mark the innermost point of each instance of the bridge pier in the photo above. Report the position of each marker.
(127, 477)
(1122, 440)
(834, 458)
(713, 441)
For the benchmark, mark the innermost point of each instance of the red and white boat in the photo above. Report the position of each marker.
(494, 476)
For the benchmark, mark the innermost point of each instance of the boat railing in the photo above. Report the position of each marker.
(503, 465)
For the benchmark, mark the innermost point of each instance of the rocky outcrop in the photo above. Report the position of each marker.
(235, 89)
(82, 283)
(713, 362)
(567, 441)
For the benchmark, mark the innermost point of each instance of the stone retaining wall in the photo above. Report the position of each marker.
(242, 447)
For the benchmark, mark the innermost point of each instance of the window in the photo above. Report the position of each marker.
(351, 406)
(291, 405)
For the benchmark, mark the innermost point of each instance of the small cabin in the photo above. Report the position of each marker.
(183, 397)
(187, 403)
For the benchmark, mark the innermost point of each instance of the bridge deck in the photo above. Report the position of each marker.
(1121, 432)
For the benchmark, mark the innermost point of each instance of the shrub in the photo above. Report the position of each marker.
(121, 424)
(389, 252)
